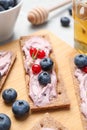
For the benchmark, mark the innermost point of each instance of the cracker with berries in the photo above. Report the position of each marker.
(45, 85)
(7, 59)
(79, 70)
(47, 122)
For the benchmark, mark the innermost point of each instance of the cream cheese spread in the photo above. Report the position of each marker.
(82, 78)
(5, 61)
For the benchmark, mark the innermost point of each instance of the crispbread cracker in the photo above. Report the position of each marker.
(3, 79)
(48, 121)
(76, 84)
(62, 100)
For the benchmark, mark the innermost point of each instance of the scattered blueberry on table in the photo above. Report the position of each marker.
(65, 21)
(70, 11)
(9, 95)
(20, 108)
(5, 122)
(7, 4)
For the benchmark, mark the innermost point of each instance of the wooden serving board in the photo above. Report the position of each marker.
(69, 118)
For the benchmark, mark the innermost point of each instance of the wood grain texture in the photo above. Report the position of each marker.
(69, 118)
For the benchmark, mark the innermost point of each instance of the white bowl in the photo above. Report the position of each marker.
(7, 21)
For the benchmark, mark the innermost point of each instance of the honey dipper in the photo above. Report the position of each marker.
(39, 15)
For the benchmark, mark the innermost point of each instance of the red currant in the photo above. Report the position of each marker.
(33, 51)
(36, 68)
(41, 54)
(84, 69)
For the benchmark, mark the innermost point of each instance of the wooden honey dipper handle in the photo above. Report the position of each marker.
(39, 15)
(59, 5)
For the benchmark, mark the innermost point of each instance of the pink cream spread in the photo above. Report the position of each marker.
(5, 61)
(47, 129)
(82, 78)
(40, 95)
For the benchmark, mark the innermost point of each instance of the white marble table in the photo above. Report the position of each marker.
(23, 27)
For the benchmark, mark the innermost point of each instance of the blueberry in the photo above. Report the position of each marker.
(44, 78)
(65, 21)
(5, 122)
(1, 8)
(9, 95)
(15, 2)
(46, 64)
(70, 11)
(5, 4)
(20, 108)
(80, 60)
(11, 3)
